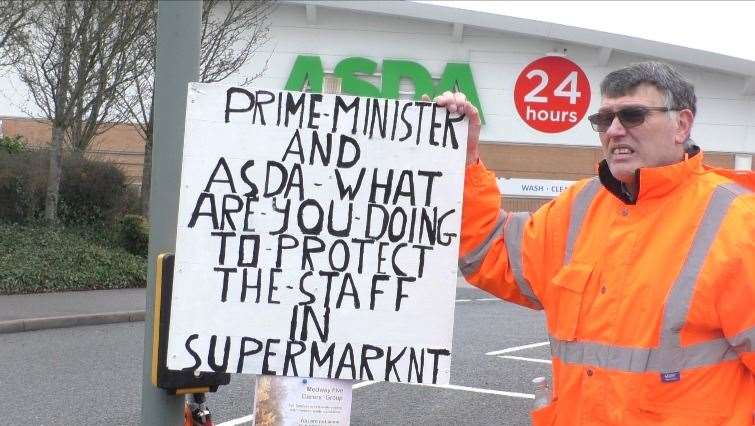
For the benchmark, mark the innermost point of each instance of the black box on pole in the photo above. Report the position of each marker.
(174, 381)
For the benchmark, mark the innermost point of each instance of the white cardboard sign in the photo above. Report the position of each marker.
(317, 236)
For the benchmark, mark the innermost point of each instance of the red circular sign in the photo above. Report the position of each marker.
(552, 94)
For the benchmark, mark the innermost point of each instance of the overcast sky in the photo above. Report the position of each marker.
(726, 27)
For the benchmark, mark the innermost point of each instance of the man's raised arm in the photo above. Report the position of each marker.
(484, 257)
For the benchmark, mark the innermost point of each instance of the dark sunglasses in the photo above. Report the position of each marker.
(629, 117)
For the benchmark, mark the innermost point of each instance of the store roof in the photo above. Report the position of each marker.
(604, 41)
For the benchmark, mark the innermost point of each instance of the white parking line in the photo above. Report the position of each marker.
(455, 387)
(363, 384)
(521, 358)
(239, 421)
(518, 348)
(478, 390)
(487, 299)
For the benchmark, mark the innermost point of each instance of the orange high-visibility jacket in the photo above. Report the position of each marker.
(650, 303)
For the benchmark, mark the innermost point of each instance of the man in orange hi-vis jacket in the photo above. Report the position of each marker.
(646, 272)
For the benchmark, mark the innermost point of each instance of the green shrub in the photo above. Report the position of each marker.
(37, 259)
(23, 180)
(90, 191)
(12, 144)
(134, 232)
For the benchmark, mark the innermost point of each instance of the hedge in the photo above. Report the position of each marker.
(91, 192)
(38, 259)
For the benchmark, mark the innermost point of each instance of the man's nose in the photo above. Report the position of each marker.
(615, 129)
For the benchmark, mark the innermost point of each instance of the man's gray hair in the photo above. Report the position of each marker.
(679, 93)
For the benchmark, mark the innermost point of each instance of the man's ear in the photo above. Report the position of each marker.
(684, 122)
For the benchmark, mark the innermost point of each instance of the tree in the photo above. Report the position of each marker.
(15, 18)
(232, 32)
(74, 63)
(97, 110)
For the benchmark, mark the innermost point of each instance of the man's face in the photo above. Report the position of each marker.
(658, 141)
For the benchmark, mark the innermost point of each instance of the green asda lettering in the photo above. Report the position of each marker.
(309, 69)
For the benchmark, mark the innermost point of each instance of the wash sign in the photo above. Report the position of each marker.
(308, 70)
(540, 188)
(318, 236)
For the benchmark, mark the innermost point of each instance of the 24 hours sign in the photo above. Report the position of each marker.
(552, 94)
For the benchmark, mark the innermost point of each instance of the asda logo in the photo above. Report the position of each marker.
(308, 70)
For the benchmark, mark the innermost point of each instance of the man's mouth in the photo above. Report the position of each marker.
(621, 151)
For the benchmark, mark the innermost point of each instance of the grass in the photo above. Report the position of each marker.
(38, 259)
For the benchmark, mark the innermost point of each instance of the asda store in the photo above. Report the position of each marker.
(534, 82)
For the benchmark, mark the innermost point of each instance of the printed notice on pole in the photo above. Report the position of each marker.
(317, 236)
(295, 401)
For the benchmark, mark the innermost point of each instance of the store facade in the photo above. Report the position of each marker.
(405, 49)
(397, 49)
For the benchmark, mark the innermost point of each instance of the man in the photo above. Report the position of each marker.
(646, 273)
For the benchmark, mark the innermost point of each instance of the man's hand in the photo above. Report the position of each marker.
(457, 102)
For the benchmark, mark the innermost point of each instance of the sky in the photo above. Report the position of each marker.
(725, 27)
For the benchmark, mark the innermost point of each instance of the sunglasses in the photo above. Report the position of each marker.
(629, 117)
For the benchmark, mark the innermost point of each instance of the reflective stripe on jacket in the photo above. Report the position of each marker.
(650, 306)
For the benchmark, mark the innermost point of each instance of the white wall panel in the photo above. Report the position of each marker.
(500, 76)
(497, 102)
(719, 85)
(347, 43)
(725, 138)
(501, 128)
(278, 64)
(329, 18)
(724, 111)
(749, 145)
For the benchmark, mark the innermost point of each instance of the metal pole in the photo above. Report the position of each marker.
(178, 26)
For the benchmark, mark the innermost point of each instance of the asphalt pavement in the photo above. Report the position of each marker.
(26, 312)
(92, 375)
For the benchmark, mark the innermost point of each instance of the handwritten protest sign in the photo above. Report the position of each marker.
(317, 236)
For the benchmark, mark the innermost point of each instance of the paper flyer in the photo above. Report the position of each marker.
(289, 401)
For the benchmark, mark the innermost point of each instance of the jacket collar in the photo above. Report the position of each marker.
(653, 182)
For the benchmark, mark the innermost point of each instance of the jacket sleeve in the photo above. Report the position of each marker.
(491, 239)
(735, 302)
(512, 255)
(484, 258)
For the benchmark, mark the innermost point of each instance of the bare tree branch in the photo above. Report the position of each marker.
(74, 62)
(16, 16)
(115, 73)
(231, 36)
(232, 32)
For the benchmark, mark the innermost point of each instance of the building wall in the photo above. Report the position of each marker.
(514, 160)
(121, 145)
(725, 120)
(510, 160)
(725, 124)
